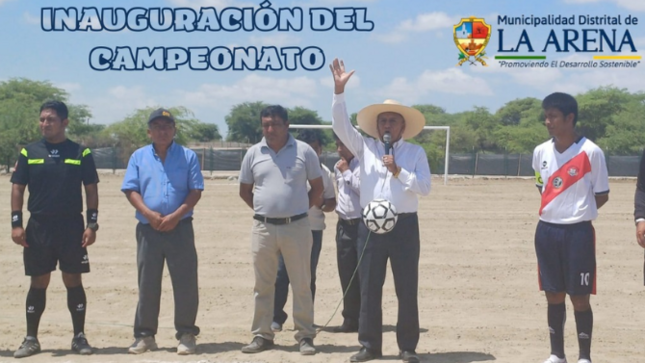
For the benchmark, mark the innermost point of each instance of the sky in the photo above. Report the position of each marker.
(409, 55)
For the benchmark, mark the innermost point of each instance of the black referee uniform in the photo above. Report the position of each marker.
(54, 173)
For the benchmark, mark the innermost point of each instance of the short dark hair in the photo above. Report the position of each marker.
(310, 135)
(564, 102)
(58, 106)
(275, 110)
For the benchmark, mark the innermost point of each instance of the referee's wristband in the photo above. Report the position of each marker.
(92, 216)
(16, 219)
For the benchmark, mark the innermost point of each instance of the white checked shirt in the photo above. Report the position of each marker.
(348, 204)
(376, 180)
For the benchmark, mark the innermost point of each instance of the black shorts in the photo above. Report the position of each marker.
(53, 239)
(566, 255)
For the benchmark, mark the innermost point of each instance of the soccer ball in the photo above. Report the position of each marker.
(380, 216)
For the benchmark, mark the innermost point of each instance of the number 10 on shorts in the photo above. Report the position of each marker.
(584, 279)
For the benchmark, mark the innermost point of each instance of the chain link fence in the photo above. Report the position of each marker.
(464, 164)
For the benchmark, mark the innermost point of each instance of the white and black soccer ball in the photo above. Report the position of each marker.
(380, 216)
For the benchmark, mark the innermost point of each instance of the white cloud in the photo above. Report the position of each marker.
(69, 87)
(28, 18)
(435, 20)
(635, 5)
(275, 40)
(452, 81)
(391, 38)
(429, 21)
(298, 91)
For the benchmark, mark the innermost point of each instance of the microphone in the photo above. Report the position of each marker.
(387, 138)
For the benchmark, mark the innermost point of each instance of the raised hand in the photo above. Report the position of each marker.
(340, 76)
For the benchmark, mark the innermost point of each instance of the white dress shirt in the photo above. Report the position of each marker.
(316, 215)
(376, 180)
(348, 204)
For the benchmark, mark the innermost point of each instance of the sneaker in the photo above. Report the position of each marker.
(29, 346)
(142, 345)
(583, 360)
(258, 345)
(187, 344)
(276, 327)
(80, 345)
(307, 346)
(409, 356)
(555, 359)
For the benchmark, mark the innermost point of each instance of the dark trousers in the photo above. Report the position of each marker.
(347, 254)
(177, 248)
(282, 280)
(401, 246)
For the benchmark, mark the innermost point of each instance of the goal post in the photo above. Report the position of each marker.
(447, 128)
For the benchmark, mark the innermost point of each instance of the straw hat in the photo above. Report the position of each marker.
(414, 119)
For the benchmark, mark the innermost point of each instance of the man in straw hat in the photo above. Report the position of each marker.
(398, 171)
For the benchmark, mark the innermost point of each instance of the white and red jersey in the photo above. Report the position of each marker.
(570, 181)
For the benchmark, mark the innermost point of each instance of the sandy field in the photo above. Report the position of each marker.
(478, 293)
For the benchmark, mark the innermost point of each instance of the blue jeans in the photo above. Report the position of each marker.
(282, 280)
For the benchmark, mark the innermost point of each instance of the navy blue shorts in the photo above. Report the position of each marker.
(566, 255)
(55, 240)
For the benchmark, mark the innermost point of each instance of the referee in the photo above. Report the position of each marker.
(54, 169)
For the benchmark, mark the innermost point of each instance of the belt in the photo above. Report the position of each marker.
(279, 220)
(350, 222)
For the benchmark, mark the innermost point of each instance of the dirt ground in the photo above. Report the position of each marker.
(478, 293)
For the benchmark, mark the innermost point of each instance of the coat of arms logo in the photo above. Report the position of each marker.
(471, 37)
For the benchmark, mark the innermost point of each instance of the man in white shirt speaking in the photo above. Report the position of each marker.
(399, 172)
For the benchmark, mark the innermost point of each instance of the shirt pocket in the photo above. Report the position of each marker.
(178, 177)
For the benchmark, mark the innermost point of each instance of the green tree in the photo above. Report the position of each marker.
(597, 109)
(244, 122)
(132, 132)
(203, 132)
(20, 101)
(303, 116)
(513, 112)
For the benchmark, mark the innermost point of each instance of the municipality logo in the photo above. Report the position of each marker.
(471, 36)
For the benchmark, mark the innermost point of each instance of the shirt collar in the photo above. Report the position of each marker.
(290, 142)
(170, 148)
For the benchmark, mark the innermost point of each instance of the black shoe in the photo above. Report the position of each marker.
(307, 346)
(80, 345)
(258, 345)
(346, 328)
(409, 356)
(365, 354)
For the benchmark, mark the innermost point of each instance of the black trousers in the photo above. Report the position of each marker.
(401, 246)
(347, 254)
(177, 249)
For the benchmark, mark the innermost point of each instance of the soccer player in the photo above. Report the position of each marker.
(572, 178)
(54, 169)
(398, 171)
(164, 182)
